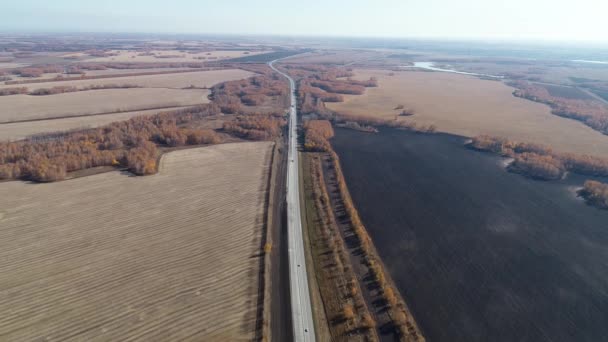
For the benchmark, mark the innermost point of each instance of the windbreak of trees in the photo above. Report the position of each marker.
(62, 89)
(595, 193)
(399, 313)
(13, 91)
(255, 127)
(591, 112)
(317, 133)
(541, 161)
(37, 71)
(131, 143)
(340, 280)
(84, 77)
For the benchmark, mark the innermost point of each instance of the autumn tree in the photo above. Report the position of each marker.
(595, 193)
(348, 312)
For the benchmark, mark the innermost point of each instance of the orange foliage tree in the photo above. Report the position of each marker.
(316, 135)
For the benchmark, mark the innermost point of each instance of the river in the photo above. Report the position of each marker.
(431, 66)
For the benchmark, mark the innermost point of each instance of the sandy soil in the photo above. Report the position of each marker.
(132, 56)
(469, 106)
(26, 107)
(179, 80)
(21, 130)
(110, 257)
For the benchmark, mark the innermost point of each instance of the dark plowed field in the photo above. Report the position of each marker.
(480, 254)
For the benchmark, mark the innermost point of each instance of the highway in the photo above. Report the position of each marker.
(303, 326)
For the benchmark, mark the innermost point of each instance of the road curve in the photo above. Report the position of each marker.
(303, 326)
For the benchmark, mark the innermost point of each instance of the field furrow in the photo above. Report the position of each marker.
(173, 256)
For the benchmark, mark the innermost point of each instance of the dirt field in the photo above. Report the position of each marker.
(173, 256)
(469, 106)
(179, 80)
(26, 107)
(21, 130)
(336, 57)
(130, 71)
(10, 65)
(132, 56)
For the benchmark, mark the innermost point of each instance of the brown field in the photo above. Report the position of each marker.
(178, 80)
(11, 65)
(336, 57)
(110, 257)
(132, 56)
(129, 71)
(469, 106)
(21, 130)
(26, 107)
(47, 76)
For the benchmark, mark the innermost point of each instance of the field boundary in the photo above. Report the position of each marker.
(96, 77)
(96, 114)
(264, 317)
(319, 314)
(399, 312)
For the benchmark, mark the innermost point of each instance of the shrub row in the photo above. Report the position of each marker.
(353, 308)
(541, 161)
(402, 320)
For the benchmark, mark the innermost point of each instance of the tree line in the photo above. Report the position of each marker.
(61, 89)
(591, 112)
(399, 313)
(131, 143)
(255, 127)
(340, 280)
(94, 77)
(541, 161)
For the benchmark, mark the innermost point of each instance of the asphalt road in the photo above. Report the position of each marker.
(303, 326)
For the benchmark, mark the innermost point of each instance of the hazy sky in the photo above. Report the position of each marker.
(511, 19)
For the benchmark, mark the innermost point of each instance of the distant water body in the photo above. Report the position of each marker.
(431, 66)
(593, 62)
